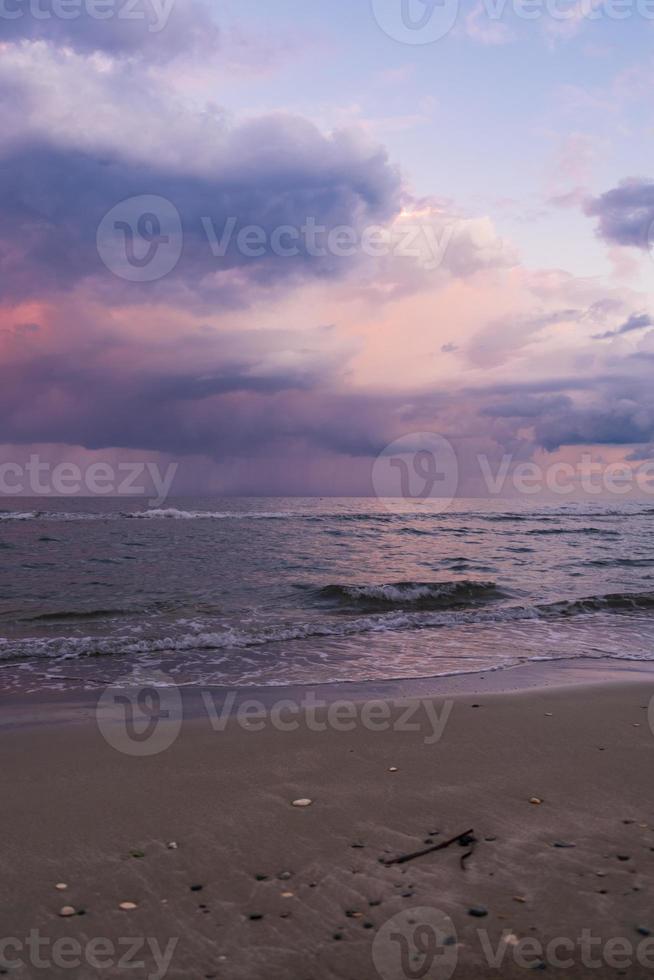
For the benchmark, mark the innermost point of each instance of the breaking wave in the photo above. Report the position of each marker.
(425, 595)
(231, 637)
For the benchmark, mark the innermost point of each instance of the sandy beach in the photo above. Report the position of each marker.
(551, 786)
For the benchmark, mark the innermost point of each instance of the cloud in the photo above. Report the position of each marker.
(637, 321)
(625, 213)
(282, 173)
(158, 29)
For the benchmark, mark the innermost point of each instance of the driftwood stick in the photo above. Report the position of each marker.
(403, 858)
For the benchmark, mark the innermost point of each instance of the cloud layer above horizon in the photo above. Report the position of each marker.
(318, 295)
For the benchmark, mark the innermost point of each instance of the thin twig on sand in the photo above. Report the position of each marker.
(403, 858)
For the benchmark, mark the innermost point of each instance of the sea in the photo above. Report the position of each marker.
(263, 592)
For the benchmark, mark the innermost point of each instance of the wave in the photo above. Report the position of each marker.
(65, 648)
(443, 519)
(173, 513)
(426, 595)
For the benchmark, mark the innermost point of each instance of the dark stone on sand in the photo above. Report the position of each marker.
(137, 854)
(466, 840)
(368, 925)
(490, 839)
(261, 877)
(449, 941)
(358, 846)
(374, 902)
(478, 912)
(624, 857)
(563, 844)
(255, 917)
(197, 888)
(408, 894)
(643, 931)
(337, 936)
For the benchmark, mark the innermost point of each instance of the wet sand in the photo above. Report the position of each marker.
(257, 888)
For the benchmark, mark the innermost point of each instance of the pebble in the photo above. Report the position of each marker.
(288, 894)
(643, 931)
(67, 911)
(302, 802)
(536, 801)
(128, 906)
(255, 917)
(548, 714)
(284, 876)
(563, 843)
(478, 912)
(172, 845)
(61, 887)
(624, 857)
(519, 898)
(393, 769)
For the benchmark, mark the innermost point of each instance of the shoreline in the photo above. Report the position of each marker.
(43, 707)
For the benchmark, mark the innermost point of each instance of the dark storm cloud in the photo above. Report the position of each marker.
(625, 214)
(231, 412)
(279, 171)
(616, 410)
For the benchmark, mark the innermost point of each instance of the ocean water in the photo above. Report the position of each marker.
(242, 592)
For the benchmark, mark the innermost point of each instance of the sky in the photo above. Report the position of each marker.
(264, 240)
